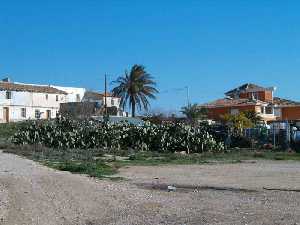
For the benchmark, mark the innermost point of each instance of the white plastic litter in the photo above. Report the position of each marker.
(171, 188)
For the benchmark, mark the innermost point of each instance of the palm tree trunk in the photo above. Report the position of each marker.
(133, 108)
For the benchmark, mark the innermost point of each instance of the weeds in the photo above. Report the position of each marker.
(99, 163)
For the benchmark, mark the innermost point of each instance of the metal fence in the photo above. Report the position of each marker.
(278, 134)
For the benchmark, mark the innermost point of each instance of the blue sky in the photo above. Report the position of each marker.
(210, 46)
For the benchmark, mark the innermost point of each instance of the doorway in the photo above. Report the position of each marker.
(48, 114)
(6, 114)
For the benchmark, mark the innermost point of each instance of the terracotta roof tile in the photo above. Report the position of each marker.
(285, 102)
(227, 102)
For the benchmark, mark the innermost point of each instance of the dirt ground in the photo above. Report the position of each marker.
(262, 192)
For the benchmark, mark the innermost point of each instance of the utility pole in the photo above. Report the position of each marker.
(105, 99)
(274, 136)
(187, 95)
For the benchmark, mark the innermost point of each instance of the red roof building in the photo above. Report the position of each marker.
(251, 97)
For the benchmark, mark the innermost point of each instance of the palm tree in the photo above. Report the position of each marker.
(194, 112)
(135, 88)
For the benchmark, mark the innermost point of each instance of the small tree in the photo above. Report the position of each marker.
(194, 113)
(237, 122)
(253, 116)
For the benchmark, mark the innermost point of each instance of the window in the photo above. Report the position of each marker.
(23, 112)
(112, 102)
(37, 114)
(269, 110)
(57, 98)
(47, 96)
(277, 112)
(8, 95)
(262, 110)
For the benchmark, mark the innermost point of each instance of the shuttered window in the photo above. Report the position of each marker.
(23, 112)
(8, 95)
(37, 114)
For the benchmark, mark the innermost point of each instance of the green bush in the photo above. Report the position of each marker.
(70, 134)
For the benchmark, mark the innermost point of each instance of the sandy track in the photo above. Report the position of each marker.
(33, 194)
(253, 175)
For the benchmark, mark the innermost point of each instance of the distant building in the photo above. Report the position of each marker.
(112, 102)
(20, 101)
(92, 96)
(93, 104)
(251, 97)
(23, 101)
(74, 94)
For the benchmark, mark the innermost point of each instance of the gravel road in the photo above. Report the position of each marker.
(223, 194)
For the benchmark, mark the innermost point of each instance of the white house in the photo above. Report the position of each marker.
(74, 94)
(92, 96)
(22, 101)
(111, 101)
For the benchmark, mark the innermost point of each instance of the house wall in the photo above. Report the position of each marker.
(245, 95)
(112, 101)
(218, 112)
(79, 109)
(290, 113)
(31, 102)
(73, 93)
(261, 95)
(267, 96)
